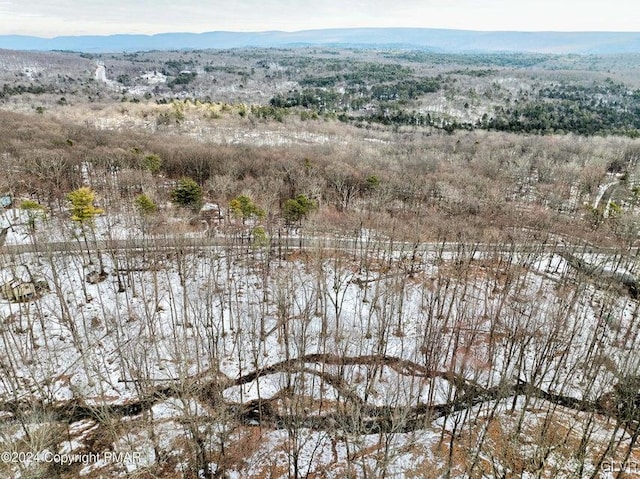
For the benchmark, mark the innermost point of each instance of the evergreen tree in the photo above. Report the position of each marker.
(243, 207)
(83, 210)
(295, 209)
(187, 193)
(145, 205)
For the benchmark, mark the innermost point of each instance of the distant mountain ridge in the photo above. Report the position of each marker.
(438, 40)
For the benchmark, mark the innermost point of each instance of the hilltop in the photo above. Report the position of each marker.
(437, 40)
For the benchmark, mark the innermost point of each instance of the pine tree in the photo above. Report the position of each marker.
(295, 209)
(243, 207)
(83, 210)
(187, 193)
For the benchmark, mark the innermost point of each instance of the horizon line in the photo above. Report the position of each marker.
(105, 35)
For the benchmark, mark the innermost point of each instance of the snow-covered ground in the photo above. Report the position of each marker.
(310, 335)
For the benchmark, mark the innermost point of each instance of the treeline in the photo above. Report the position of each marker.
(562, 106)
(513, 60)
(8, 90)
(474, 184)
(355, 98)
(609, 109)
(357, 74)
(604, 109)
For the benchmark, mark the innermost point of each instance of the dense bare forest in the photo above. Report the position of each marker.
(318, 263)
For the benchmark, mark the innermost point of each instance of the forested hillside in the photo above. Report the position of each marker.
(318, 263)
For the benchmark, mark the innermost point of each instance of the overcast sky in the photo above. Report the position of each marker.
(50, 18)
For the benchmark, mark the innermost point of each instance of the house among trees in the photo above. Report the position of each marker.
(16, 290)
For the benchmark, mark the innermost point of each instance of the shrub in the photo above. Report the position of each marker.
(152, 163)
(259, 237)
(145, 205)
(372, 183)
